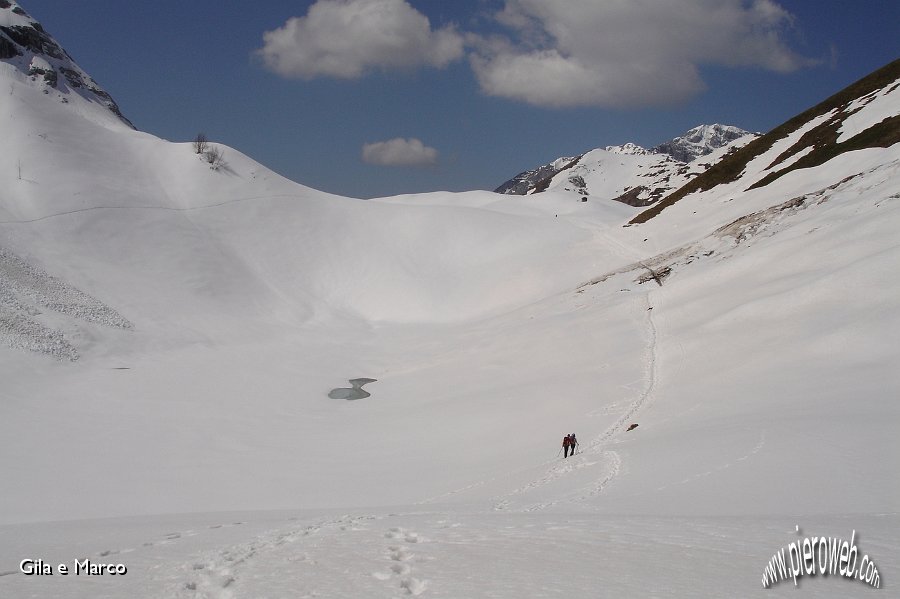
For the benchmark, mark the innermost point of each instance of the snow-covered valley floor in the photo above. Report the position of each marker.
(446, 482)
(169, 336)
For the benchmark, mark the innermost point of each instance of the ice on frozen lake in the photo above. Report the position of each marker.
(354, 392)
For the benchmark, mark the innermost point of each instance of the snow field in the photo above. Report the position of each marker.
(443, 552)
(750, 335)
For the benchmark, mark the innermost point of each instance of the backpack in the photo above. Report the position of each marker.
(567, 440)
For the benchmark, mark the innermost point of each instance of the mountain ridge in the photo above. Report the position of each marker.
(700, 141)
(821, 139)
(671, 161)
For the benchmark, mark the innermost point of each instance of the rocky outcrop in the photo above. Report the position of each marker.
(527, 181)
(667, 166)
(25, 44)
(819, 144)
(700, 141)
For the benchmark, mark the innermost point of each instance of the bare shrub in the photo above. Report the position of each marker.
(215, 157)
(201, 144)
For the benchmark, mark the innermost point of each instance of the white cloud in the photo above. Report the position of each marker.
(345, 38)
(626, 53)
(399, 152)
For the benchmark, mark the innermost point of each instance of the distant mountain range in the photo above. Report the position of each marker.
(630, 173)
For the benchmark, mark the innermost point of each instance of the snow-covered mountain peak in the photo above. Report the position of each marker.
(29, 53)
(643, 178)
(628, 149)
(700, 141)
(11, 14)
(864, 115)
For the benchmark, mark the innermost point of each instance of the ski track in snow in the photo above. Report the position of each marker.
(753, 451)
(597, 449)
(650, 376)
(436, 498)
(168, 208)
(652, 304)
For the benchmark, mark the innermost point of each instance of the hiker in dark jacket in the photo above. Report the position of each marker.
(573, 442)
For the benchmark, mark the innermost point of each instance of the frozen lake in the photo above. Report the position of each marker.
(355, 392)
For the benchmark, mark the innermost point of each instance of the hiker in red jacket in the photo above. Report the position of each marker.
(567, 442)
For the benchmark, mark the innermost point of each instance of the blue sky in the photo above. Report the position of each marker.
(367, 98)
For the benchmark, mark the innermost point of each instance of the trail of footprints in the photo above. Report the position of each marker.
(399, 554)
(610, 460)
(165, 540)
(215, 577)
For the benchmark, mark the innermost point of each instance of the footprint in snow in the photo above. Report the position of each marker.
(399, 553)
(400, 557)
(413, 586)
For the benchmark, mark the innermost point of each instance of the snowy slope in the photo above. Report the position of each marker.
(241, 294)
(632, 174)
(169, 334)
